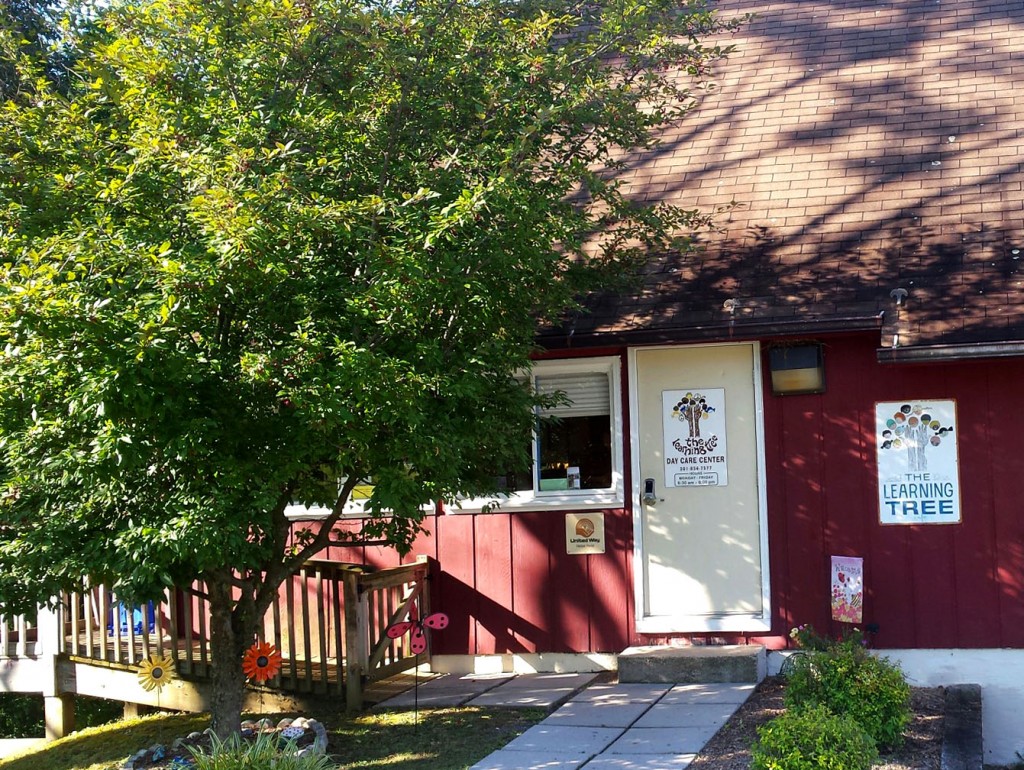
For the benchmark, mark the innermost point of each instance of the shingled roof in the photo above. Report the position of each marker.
(858, 147)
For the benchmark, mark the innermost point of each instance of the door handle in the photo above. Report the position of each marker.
(649, 496)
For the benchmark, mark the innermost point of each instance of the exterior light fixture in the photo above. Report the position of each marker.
(797, 369)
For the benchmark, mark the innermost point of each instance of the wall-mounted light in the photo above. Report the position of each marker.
(797, 369)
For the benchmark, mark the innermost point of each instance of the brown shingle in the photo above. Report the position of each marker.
(867, 146)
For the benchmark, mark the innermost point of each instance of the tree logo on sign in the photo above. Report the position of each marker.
(691, 409)
(914, 430)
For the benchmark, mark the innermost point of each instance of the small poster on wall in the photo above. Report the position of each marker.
(694, 430)
(918, 462)
(848, 589)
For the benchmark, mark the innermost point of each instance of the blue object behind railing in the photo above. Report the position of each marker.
(123, 612)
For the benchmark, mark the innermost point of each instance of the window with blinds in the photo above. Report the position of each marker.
(574, 438)
(573, 445)
(587, 394)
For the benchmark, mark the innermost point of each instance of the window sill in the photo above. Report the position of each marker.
(598, 499)
(736, 624)
(316, 513)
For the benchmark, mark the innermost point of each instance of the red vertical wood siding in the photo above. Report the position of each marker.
(926, 586)
(508, 585)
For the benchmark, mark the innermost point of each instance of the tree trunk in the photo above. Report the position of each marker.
(228, 642)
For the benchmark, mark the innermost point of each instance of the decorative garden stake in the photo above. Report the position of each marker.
(156, 671)
(261, 662)
(417, 643)
(418, 639)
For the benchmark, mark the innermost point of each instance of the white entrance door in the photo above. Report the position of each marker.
(699, 505)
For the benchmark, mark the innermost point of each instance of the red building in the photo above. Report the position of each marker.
(865, 160)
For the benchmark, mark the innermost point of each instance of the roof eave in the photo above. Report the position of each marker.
(956, 352)
(717, 332)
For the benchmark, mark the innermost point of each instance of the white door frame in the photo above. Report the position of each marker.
(697, 624)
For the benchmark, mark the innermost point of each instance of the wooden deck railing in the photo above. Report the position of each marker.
(18, 636)
(329, 622)
(373, 602)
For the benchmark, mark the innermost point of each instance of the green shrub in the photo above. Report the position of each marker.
(848, 681)
(266, 752)
(92, 712)
(21, 716)
(813, 738)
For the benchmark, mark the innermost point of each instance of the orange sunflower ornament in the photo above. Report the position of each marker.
(261, 662)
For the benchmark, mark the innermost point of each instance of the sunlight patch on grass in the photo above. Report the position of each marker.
(395, 760)
(430, 739)
(106, 746)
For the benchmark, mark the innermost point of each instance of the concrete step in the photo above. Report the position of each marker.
(693, 665)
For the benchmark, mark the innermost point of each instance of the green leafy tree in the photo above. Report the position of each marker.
(258, 246)
(33, 27)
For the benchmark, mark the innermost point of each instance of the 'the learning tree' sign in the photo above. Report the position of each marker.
(918, 464)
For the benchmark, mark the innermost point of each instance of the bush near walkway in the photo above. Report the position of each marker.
(813, 738)
(847, 680)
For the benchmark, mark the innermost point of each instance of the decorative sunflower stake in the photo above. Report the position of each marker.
(156, 671)
(261, 662)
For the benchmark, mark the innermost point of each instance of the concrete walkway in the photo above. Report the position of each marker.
(597, 726)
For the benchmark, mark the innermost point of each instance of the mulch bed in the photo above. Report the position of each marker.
(921, 750)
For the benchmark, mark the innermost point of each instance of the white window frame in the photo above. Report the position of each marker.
(571, 499)
(354, 509)
(534, 500)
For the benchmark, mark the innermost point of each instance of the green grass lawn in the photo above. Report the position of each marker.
(438, 739)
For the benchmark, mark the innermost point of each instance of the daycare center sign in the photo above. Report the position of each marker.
(918, 464)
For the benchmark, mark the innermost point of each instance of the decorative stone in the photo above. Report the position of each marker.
(159, 757)
(320, 742)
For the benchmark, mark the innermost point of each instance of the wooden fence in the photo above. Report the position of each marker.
(18, 636)
(329, 621)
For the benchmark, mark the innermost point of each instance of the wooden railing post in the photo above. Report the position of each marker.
(424, 576)
(355, 640)
(58, 706)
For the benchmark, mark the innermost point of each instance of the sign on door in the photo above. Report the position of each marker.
(694, 430)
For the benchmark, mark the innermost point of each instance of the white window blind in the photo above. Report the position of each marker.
(589, 394)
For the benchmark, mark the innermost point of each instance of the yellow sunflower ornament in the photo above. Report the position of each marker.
(156, 671)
